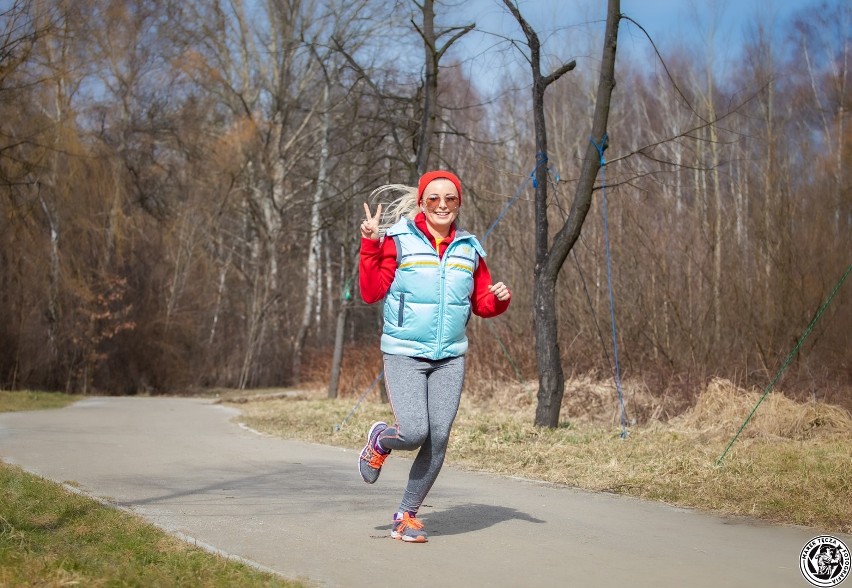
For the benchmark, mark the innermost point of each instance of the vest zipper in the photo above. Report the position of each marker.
(442, 265)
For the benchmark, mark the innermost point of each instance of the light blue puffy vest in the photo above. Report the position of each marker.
(428, 304)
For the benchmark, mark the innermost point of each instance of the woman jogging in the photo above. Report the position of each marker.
(431, 275)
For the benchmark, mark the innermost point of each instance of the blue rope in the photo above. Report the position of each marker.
(363, 396)
(506, 208)
(540, 159)
(601, 147)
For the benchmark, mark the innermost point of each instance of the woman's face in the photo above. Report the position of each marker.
(440, 204)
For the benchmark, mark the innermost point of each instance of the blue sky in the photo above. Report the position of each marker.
(668, 20)
(662, 16)
(563, 26)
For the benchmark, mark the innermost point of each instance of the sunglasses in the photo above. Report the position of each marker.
(434, 202)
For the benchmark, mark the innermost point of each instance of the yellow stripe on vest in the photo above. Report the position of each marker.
(418, 264)
(460, 266)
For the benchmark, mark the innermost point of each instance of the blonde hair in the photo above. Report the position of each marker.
(404, 205)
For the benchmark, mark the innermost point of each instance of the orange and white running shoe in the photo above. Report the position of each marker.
(408, 528)
(370, 461)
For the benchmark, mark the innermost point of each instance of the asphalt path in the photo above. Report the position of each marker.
(300, 509)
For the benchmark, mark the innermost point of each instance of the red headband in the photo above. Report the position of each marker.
(437, 175)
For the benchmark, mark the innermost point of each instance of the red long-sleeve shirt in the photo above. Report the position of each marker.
(378, 267)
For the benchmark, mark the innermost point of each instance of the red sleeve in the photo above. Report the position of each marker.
(484, 303)
(376, 268)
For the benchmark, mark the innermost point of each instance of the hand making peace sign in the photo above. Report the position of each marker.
(370, 225)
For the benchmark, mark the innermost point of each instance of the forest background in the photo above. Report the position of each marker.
(181, 184)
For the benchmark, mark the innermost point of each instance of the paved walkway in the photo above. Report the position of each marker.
(301, 509)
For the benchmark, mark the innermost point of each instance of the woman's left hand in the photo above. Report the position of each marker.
(500, 291)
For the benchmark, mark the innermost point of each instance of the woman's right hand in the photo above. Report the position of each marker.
(370, 225)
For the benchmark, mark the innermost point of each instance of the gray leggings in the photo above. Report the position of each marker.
(425, 396)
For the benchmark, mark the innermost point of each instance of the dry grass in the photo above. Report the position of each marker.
(723, 407)
(791, 464)
(586, 400)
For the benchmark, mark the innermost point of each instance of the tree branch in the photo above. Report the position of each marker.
(547, 80)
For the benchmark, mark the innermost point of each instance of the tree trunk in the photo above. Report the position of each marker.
(549, 261)
(551, 380)
(52, 217)
(337, 358)
(430, 90)
(312, 285)
(429, 106)
(340, 332)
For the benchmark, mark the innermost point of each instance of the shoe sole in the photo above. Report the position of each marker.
(369, 436)
(418, 539)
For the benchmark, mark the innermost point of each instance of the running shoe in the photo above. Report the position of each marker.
(370, 461)
(407, 528)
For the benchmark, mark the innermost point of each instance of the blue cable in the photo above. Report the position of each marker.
(506, 208)
(363, 396)
(540, 159)
(601, 148)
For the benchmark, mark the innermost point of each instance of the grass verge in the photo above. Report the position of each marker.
(52, 537)
(20, 400)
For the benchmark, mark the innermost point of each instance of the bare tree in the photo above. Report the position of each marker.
(549, 258)
(429, 105)
(312, 286)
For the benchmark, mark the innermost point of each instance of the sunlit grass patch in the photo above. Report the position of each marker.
(50, 537)
(21, 400)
